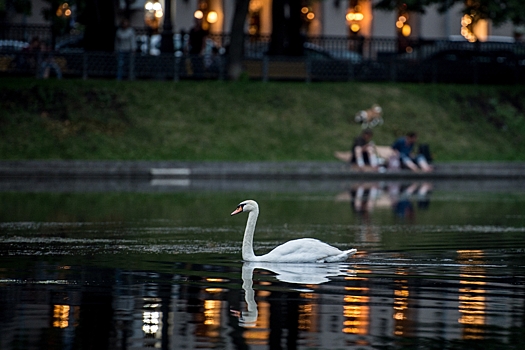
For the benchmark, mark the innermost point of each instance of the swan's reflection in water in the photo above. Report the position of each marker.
(298, 274)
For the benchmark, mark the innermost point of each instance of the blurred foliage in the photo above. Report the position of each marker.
(18, 6)
(60, 22)
(498, 11)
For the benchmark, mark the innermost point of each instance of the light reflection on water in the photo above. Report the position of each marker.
(446, 274)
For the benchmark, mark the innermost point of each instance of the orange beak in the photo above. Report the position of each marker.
(237, 211)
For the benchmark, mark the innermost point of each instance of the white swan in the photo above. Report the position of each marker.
(304, 250)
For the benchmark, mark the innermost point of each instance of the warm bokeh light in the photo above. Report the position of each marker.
(153, 13)
(466, 28)
(198, 14)
(359, 16)
(255, 5)
(212, 312)
(63, 10)
(60, 316)
(472, 296)
(212, 17)
(356, 312)
(354, 16)
(210, 279)
(406, 30)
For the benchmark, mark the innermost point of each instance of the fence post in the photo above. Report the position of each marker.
(265, 64)
(475, 73)
(308, 69)
(131, 75)
(84, 65)
(351, 70)
(393, 70)
(222, 68)
(176, 68)
(38, 65)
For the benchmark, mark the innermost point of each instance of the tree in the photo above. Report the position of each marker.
(17, 6)
(59, 14)
(498, 11)
(99, 20)
(236, 48)
(286, 36)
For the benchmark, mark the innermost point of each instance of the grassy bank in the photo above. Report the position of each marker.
(74, 119)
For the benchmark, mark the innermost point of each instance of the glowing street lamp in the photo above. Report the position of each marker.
(212, 17)
(204, 13)
(63, 10)
(354, 17)
(153, 14)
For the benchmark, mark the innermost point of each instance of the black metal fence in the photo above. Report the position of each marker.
(324, 59)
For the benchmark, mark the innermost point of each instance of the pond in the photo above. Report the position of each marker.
(130, 265)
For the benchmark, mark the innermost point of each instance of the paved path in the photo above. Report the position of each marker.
(247, 170)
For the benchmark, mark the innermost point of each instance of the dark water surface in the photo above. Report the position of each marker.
(131, 265)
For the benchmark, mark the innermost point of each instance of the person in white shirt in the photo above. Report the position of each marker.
(125, 45)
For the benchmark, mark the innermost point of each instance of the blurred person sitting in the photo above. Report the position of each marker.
(404, 146)
(363, 151)
(29, 56)
(48, 63)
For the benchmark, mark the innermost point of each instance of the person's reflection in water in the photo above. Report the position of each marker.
(402, 196)
(362, 198)
(423, 196)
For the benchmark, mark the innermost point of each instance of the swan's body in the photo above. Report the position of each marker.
(304, 250)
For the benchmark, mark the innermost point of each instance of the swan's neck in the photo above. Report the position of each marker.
(249, 318)
(247, 243)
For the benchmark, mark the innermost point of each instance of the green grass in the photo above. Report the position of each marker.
(214, 120)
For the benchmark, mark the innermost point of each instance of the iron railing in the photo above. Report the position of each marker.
(325, 58)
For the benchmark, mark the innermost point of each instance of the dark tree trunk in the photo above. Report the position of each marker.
(277, 39)
(166, 44)
(286, 38)
(295, 39)
(236, 49)
(99, 19)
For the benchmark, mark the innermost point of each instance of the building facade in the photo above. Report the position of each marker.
(320, 18)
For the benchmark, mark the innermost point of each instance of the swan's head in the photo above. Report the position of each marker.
(246, 206)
